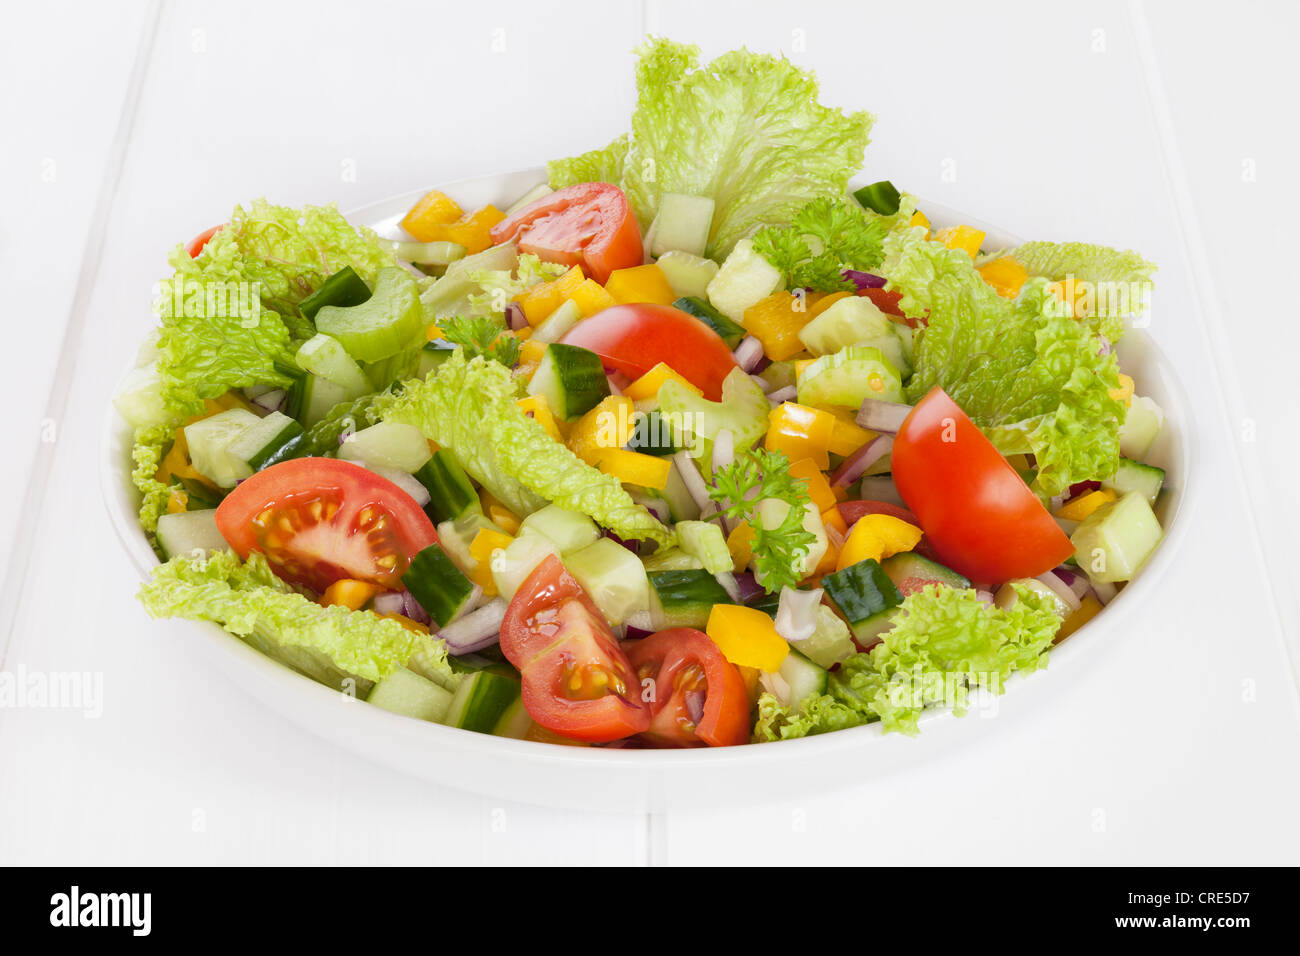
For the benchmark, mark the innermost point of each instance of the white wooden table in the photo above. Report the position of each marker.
(1153, 126)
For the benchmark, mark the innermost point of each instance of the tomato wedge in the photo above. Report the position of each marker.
(888, 303)
(699, 695)
(195, 245)
(319, 520)
(635, 338)
(587, 224)
(577, 682)
(979, 515)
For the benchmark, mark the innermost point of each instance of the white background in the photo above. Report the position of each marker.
(1160, 126)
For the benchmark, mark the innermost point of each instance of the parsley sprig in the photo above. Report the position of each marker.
(482, 335)
(755, 476)
(823, 239)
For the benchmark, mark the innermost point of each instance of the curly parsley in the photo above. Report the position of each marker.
(482, 335)
(824, 238)
(756, 476)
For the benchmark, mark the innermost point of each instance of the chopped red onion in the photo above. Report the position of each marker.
(762, 383)
(834, 536)
(476, 630)
(390, 602)
(693, 480)
(882, 416)
(515, 317)
(786, 394)
(1105, 591)
(985, 596)
(1104, 350)
(851, 469)
(1081, 488)
(407, 483)
(412, 609)
(748, 353)
(1060, 589)
(748, 586)
(864, 280)
(1075, 581)
(796, 613)
(724, 448)
(618, 380)
(730, 585)
(632, 546)
(271, 401)
(655, 505)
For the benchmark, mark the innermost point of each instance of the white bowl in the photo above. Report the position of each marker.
(639, 780)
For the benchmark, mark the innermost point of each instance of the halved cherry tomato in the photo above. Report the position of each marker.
(851, 511)
(699, 695)
(319, 520)
(636, 338)
(587, 224)
(978, 513)
(196, 244)
(577, 682)
(887, 302)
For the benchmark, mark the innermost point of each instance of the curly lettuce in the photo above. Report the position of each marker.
(597, 166)
(1115, 281)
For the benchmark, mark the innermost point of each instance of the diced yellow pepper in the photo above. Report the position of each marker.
(920, 219)
(524, 334)
(349, 593)
(177, 500)
(607, 426)
(531, 352)
(800, 432)
(434, 209)
(831, 518)
(407, 623)
(819, 489)
(1079, 508)
(645, 283)
(747, 637)
(486, 541)
(433, 332)
(539, 301)
(634, 468)
(750, 676)
(776, 322)
(841, 493)
(648, 385)
(847, 436)
(504, 518)
(965, 238)
(740, 544)
(540, 409)
(818, 302)
(474, 231)
(878, 537)
(591, 297)
(800, 366)
(828, 560)
(1005, 275)
(1088, 608)
(1125, 391)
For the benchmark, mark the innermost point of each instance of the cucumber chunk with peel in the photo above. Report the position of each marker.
(1113, 542)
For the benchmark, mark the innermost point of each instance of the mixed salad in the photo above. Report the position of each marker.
(689, 446)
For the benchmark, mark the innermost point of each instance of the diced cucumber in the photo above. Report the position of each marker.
(865, 596)
(388, 322)
(569, 530)
(432, 356)
(1112, 543)
(672, 559)
(187, 532)
(855, 320)
(772, 512)
(681, 506)
(728, 331)
(849, 377)
(209, 441)
(437, 584)
(139, 399)
(688, 275)
(425, 253)
(1135, 476)
(910, 572)
(456, 537)
(780, 375)
(325, 356)
(803, 677)
(744, 409)
(879, 197)
(295, 394)
(266, 442)
(319, 396)
(511, 566)
(682, 223)
(686, 597)
(481, 701)
(613, 577)
(407, 693)
(388, 445)
(557, 325)
(744, 279)
(451, 495)
(343, 289)
(652, 435)
(571, 378)
(1006, 595)
(1141, 426)
(830, 642)
(534, 194)
(514, 722)
(705, 541)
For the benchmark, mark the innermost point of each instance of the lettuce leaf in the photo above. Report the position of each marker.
(146, 455)
(944, 642)
(328, 644)
(1117, 278)
(597, 166)
(1033, 379)
(470, 408)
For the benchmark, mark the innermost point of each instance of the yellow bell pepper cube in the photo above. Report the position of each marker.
(606, 427)
(648, 385)
(177, 500)
(433, 332)
(591, 297)
(920, 219)
(747, 637)
(530, 352)
(434, 209)
(539, 409)
(776, 322)
(1005, 275)
(349, 593)
(818, 302)
(634, 468)
(1088, 608)
(645, 283)
(800, 432)
(1125, 391)
(740, 544)
(827, 563)
(847, 436)
(831, 518)
(503, 518)
(819, 489)
(1076, 509)
(801, 366)
(474, 231)
(481, 548)
(524, 334)
(877, 537)
(539, 301)
(965, 238)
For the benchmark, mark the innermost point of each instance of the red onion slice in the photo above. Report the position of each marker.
(271, 401)
(851, 469)
(864, 280)
(730, 585)
(693, 481)
(390, 602)
(883, 416)
(749, 587)
(748, 353)
(476, 630)
(515, 317)
(1060, 589)
(1105, 591)
(724, 449)
(786, 394)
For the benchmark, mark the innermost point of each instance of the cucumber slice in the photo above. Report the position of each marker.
(456, 537)
(804, 678)
(745, 278)
(780, 375)
(451, 496)
(388, 322)
(1113, 542)
(270, 440)
(343, 289)
(425, 253)
(613, 577)
(672, 559)
(481, 700)
(139, 399)
(705, 541)
(528, 198)
(569, 530)
(437, 584)
(681, 506)
(849, 377)
(688, 275)
(728, 331)
(571, 378)
(188, 532)
(407, 693)
(830, 642)
(1134, 476)
(1141, 426)
(514, 722)
(388, 445)
(325, 356)
(558, 323)
(682, 224)
(910, 572)
(1006, 595)
(432, 356)
(855, 320)
(319, 395)
(209, 440)
(686, 597)
(511, 566)
(865, 596)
